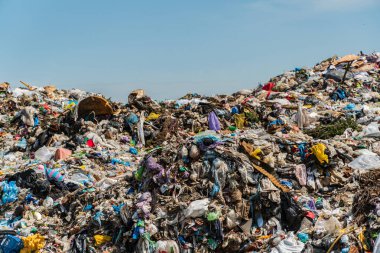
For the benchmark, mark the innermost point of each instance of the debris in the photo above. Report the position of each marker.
(291, 166)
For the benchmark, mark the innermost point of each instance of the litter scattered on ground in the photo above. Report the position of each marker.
(290, 166)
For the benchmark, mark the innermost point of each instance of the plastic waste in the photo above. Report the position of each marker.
(22, 143)
(371, 130)
(227, 173)
(119, 161)
(11, 244)
(33, 243)
(303, 237)
(327, 226)
(213, 122)
(10, 192)
(167, 246)
(80, 178)
(133, 151)
(43, 154)
(101, 239)
(48, 202)
(365, 162)
(239, 120)
(196, 208)
(290, 245)
(152, 116)
(319, 151)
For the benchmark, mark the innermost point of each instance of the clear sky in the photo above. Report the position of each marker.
(170, 48)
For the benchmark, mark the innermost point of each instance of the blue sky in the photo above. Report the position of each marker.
(170, 48)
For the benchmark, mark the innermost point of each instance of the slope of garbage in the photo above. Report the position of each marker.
(290, 166)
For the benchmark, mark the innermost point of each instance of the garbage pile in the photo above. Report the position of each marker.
(290, 166)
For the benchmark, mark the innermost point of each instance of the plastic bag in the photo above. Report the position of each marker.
(196, 208)
(319, 151)
(10, 192)
(105, 183)
(239, 120)
(152, 116)
(290, 245)
(101, 239)
(80, 179)
(365, 162)
(292, 213)
(33, 243)
(11, 244)
(22, 144)
(328, 226)
(79, 243)
(167, 246)
(372, 130)
(27, 115)
(18, 92)
(131, 119)
(43, 154)
(213, 122)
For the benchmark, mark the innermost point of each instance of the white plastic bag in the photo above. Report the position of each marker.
(105, 183)
(79, 178)
(196, 208)
(290, 245)
(18, 92)
(365, 162)
(372, 130)
(328, 226)
(43, 154)
(167, 246)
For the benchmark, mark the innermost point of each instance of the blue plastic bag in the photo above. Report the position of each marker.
(132, 119)
(349, 107)
(10, 192)
(133, 151)
(11, 244)
(22, 143)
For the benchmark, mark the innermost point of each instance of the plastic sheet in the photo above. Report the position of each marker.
(366, 162)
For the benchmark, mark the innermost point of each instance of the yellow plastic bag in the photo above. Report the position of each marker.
(101, 239)
(33, 243)
(152, 116)
(239, 120)
(319, 151)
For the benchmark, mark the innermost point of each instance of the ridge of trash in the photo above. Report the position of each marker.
(290, 166)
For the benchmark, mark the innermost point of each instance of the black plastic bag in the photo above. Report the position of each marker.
(291, 213)
(79, 243)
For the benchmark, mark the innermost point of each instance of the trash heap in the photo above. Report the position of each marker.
(291, 166)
